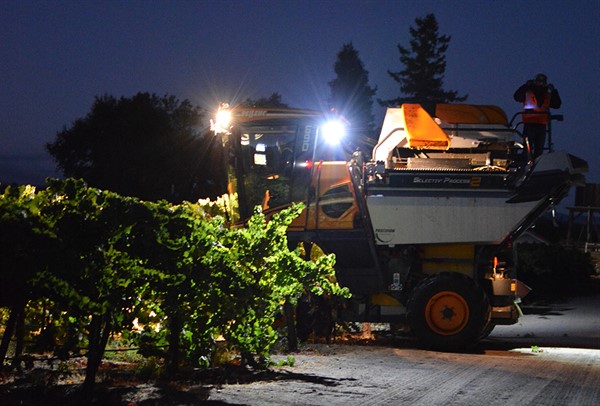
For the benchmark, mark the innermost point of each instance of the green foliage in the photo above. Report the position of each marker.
(554, 271)
(256, 273)
(154, 273)
(91, 273)
(424, 62)
(288, 362)
(24, 243)
(148, 369)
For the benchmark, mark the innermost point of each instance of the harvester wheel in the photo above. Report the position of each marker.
(448, 312)
(487, 330)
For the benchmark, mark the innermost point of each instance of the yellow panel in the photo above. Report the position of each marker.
(471, 114)
(382, 299)
(422, 131)
(433, 257)
(298, 224)
(328, 176)
(454, 251)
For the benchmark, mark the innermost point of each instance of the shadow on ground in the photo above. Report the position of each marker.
(193, 390)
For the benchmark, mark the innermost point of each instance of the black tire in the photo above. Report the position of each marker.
(448, 312)
(487, 330)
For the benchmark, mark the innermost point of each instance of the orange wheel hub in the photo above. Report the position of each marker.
(447, 313)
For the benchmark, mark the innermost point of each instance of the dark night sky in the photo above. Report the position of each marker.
(55, 56)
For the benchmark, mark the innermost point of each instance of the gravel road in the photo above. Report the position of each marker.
(552, 357)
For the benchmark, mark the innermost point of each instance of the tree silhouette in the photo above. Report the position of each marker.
(144, 146)
(425, 64)
(273, 101)
(351, 95)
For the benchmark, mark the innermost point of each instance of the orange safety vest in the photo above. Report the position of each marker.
(539, 114)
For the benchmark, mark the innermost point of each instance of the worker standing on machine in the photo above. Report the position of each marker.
(538, 97)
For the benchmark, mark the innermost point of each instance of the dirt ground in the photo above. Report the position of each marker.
(551, 357)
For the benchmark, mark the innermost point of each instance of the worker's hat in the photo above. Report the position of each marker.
(541, 78)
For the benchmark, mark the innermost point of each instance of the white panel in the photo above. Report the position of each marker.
(427, 220)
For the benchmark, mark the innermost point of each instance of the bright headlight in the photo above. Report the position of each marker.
(222, 120)
(333, 131)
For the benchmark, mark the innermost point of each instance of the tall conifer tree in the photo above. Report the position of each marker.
(351, 95)
(422, 79)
